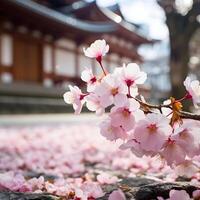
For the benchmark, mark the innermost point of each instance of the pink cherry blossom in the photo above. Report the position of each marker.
(136, 148)
(173, 153)
(74, 97)
(152, 132)
(111, 132)
(117, 195)
(105, 178)
(112, 91)
(127, 115)
(94, 103)
(188, 138)
(90, 79)
(178, 195)
(193, 88)
(97, 50)
(131, 76)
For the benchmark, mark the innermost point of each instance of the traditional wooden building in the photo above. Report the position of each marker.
(41, 44)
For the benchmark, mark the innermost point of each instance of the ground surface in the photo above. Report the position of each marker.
(70, 154)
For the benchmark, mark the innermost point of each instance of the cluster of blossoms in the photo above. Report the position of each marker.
(136, 123)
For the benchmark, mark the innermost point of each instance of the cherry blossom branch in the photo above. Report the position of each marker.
(110, 92)
(152, 105)
(183, 114)
(188, 115)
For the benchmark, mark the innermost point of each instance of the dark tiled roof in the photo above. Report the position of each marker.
(97, 27)
(108, 12)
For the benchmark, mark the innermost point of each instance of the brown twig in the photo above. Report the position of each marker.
(153, 106)
(188, 115)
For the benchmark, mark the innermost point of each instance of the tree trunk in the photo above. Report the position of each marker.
(181, 29)
(179, 59)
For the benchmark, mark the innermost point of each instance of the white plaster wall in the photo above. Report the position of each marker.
(6, 50)
(47, 62)
(65, 63)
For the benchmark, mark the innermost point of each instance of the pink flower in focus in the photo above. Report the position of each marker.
(152, 132)
(193, 88)
(94, 103)
(135, 147)
(112, 91)
(110, 132)
(117, 195)
(173, 153)
(105, 178)
(90, 79)
(131, 76)
(187, 136)
(127, 115)
(97, 50)
(75, 97)
(178, 195)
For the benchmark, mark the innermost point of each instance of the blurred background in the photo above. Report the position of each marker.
(41, 44)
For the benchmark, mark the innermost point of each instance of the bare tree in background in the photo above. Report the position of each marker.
(181, 27)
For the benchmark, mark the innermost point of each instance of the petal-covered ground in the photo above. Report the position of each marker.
(70, 161)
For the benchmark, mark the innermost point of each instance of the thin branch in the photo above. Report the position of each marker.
(152, 105)
(187, 115)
